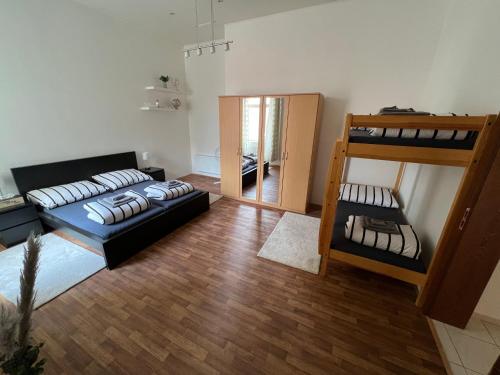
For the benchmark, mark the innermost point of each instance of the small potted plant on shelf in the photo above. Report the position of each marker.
(164, 80)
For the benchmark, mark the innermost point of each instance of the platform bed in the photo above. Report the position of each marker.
(135, 233)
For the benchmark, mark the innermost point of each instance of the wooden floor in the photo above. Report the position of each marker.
(201, 301)
(270, 187)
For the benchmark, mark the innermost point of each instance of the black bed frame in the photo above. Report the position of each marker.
(122, 246)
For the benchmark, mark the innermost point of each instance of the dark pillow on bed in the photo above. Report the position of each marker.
(118, 179)
(60, 195)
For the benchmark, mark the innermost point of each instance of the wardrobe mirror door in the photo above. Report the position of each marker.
(250, 129)
(274, 108)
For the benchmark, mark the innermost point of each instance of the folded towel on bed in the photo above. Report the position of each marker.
(367, 194)
(116, 200)
(104, 214)
(458, 135)
(405, 243)
(163, 191)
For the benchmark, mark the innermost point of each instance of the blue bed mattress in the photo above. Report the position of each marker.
(76, 216)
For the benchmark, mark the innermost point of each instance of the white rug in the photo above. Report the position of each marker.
(294, 242)
(214, 197)
(62, 265)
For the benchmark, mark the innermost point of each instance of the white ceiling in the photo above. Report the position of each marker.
(153, 15)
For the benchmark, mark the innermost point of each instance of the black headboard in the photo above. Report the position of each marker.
(62, 172)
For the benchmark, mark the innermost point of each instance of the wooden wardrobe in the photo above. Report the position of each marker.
(267, 146)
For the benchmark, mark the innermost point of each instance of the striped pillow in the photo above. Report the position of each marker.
(103, 214)
(405, 243)
(163, 192)
(60, 195)
(367, 194)
(122, 178)
(457, 135)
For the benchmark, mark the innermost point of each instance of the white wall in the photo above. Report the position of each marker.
(205, 82)
(464, 78)
(362, 55)
(71, 84)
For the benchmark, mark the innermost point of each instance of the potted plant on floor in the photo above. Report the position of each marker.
(18, 354)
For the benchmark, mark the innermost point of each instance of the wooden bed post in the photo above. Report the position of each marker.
(399, 178)
(335, 172)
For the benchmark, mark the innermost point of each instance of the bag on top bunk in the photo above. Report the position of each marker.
(367, 194)
(405, 243)
(394, 110)
(168, 190)
(107, 214)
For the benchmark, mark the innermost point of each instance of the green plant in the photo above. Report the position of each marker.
(18, 356)
(164, 79)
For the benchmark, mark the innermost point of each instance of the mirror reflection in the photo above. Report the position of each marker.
(250, 147)
(273, 130)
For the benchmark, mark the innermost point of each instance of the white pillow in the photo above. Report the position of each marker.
(103, 214)
(122, 178)
(60, 195)
(367, 194)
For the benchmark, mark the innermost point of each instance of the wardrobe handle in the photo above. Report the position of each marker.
(464, 219)
(283, 156)
(286, 157)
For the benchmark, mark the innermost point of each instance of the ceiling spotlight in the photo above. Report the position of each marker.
(199, 52)
(212, 49)
(172, 13)
(226, 47)
(187, 54)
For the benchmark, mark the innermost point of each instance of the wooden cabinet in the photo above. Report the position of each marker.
(268, 146)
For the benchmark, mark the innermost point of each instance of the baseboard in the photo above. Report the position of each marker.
(208, 174)
(487, 318)
(442, 353)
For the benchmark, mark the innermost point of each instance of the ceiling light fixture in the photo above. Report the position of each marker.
(210, 46)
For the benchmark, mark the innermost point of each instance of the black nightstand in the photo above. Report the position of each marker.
(158, 174)
(17, 223)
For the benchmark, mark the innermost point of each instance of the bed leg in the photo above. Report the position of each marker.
(323, 268)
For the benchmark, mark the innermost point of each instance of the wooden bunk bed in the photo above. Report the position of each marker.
(333, 245)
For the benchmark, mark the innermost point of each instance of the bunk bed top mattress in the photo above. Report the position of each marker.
(340, 243)
(362, 136)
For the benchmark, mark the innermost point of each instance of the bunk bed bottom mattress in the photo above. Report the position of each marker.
(340, 243)
(362, 136)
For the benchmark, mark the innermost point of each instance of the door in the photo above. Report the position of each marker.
(229, 122)
(299, 144)
(275, 113)
(250, 156)
(475, 257)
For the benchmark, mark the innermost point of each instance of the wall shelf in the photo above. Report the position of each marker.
(163, 89)
(161, 109)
